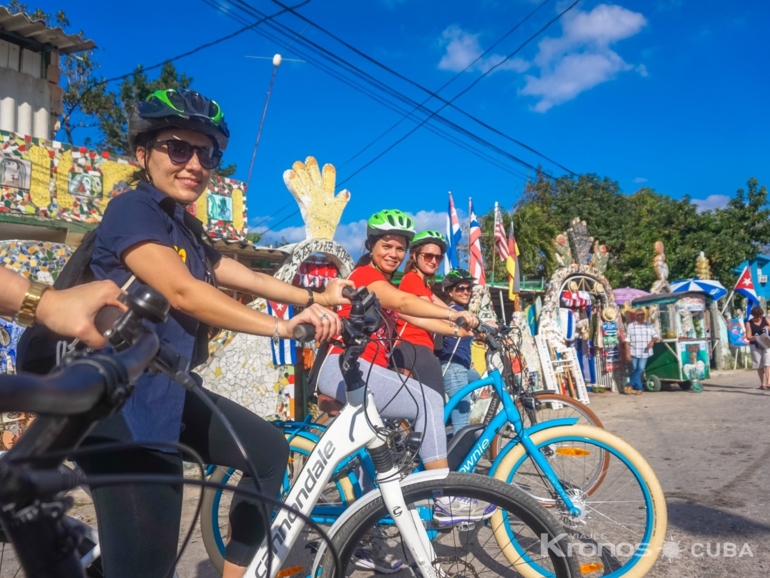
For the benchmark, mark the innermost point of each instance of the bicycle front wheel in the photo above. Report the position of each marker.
(550, 406)
(216, 502)
(452, 511)
(622, 523)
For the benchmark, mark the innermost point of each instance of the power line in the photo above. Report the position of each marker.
(416, 84)
(323, 67)
(448, 103)
(195, 50)
(388, 89)
(451, 80)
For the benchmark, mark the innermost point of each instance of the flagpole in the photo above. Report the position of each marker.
(494, 248)
(470, 212)
(729, 298)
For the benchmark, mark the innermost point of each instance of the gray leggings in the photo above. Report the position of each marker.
(395, 397)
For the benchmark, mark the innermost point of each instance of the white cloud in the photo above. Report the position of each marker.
(711, 202)
(581, 57)
(640, 180)
(462, 48)
(642, 70)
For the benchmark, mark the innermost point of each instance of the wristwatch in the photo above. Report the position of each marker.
(26, 315)
(310, 296)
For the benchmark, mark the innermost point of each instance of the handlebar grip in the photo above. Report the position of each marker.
(348, 292)
(461, 323)
(304, 332)
(106, 318)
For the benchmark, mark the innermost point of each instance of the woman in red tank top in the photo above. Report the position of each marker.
(413, 354)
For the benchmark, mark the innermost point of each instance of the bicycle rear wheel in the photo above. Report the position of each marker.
(622, 524)
(370, 543)
(550, 406)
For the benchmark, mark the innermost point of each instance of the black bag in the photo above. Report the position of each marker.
(36, 352)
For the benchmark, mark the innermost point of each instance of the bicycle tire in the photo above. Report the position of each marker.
(585, 414)
(640, 489)
(483, 488)
(211, 523)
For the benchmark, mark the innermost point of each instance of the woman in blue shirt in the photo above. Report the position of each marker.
(455, 354)
(146, 236)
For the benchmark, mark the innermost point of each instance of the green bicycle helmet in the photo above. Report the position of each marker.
(181, 109)
(454, 277)
(390, 221)
(429, 238)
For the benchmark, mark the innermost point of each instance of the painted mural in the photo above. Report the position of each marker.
(53, 180)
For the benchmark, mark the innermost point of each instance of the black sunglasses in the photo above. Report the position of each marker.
(180, 152)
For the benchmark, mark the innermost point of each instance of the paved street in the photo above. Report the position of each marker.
(710, 452)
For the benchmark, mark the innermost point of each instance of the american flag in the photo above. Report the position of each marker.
(501, 241)
(475, 259)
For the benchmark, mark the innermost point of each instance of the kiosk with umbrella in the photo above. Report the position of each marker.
(682, 354)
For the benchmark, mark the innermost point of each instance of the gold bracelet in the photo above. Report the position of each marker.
(26, 315)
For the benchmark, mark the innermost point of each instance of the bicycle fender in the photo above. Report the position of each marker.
(368, 498)
(531, 431)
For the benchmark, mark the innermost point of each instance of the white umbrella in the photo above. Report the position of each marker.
(709, 286)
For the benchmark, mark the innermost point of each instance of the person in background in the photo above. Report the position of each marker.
(455, 354)
(69, 312)
(641, 336)
(760, 356)
(413, 354)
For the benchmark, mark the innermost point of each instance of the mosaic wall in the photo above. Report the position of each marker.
(53, 180)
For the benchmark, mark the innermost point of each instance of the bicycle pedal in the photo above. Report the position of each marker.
(465, 526)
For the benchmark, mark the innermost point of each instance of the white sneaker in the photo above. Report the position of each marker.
(372, 556)
(447, 511)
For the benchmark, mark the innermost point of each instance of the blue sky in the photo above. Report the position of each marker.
(670, 94)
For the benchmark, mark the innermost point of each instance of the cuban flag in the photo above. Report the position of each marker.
(475, 259)
(453, 235)
(284, 352)
(745, 286)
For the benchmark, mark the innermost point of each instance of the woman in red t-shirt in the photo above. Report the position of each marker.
(413, 354)
(396, 396)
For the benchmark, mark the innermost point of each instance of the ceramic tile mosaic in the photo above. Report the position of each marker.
(52, 180)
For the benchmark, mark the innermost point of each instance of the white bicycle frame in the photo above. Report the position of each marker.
(349, 432)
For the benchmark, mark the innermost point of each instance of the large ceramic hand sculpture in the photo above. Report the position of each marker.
(314, 193)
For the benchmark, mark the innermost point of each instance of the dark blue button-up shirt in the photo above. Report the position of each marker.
(154, 411)
(462, 354)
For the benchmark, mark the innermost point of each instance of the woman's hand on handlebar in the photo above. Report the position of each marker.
(327, 323)
(471, 321)
(332, 295)
(71, 312)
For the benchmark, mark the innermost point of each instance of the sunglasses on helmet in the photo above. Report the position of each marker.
(180, 152)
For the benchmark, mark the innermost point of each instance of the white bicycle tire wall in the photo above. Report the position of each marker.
(241, 366)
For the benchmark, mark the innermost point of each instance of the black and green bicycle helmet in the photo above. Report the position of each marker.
(454, 277)
(181, 109)
(429, 237)
(390, 221)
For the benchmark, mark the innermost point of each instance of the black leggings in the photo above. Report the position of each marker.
(139, 523)
(421, 362)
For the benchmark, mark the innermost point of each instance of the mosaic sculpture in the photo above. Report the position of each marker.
(241, 366)
(581, 241)
(562, 252)
(314, 192)
(660, 267)
(599, 257)
(703, 267)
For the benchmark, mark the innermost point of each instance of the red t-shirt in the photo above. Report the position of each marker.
(414, 284)
(377, 351)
